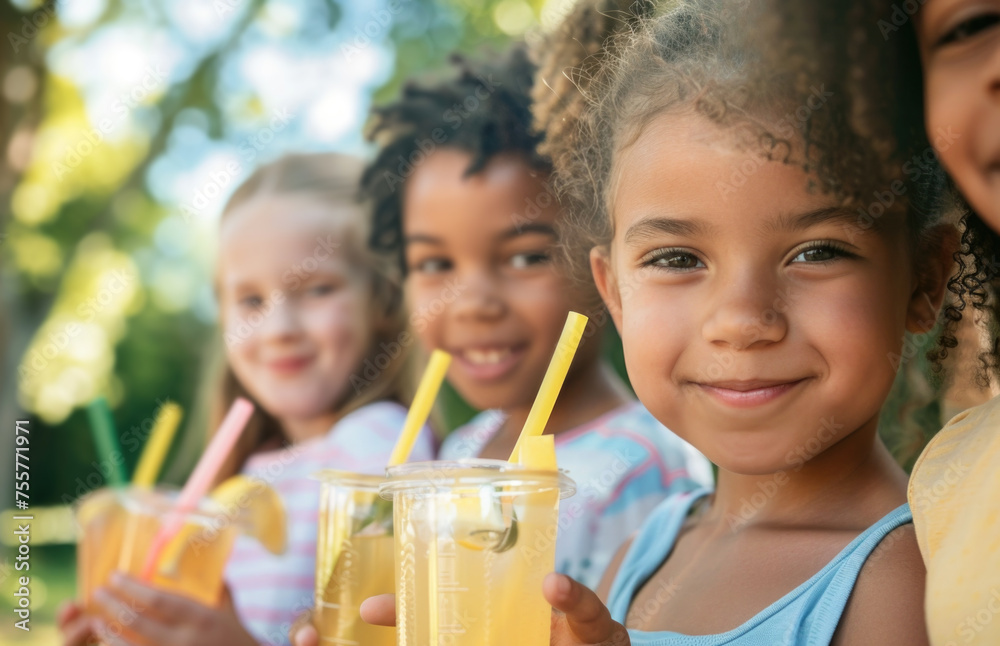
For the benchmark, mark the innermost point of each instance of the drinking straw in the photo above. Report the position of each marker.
(538, 416)
(200, 480)
(109, 449)
(155, 451)
(420, 409)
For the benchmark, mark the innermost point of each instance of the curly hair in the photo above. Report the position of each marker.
(774, 76)
(877, 63)
(485, 111)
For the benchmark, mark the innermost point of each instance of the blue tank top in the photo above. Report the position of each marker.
(807, 616)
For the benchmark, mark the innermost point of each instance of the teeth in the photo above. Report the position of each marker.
(486, 357)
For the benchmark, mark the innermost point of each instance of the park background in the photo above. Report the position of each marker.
(124, 125)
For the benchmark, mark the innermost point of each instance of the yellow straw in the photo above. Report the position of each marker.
(538, 417)
(427, 392)
(155, 451)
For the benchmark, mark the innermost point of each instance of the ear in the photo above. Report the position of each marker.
(935, 264)
(607, 284)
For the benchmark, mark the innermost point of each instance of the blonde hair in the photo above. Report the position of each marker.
(332, 180)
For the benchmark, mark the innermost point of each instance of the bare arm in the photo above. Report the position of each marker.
(887, 604)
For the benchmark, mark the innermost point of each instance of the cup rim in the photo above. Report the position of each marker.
(471, 472)
(331, 477)
(156, 501)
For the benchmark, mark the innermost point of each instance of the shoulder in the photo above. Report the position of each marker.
(886, 605)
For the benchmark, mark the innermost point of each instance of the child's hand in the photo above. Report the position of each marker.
(75, 626)
(578, 616)
(135, 613)
(303, 633)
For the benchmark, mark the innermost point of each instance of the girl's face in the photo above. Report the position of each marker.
(759, 322)
(960, 49)
(481, 281)
(294, 314)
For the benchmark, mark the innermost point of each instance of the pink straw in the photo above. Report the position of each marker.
(200, 480)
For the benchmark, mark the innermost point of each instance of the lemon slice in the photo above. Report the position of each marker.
(539, 453)
(480, 520)
(257, 507)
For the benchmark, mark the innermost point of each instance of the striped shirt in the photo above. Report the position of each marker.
(624, 463)
(269, 591)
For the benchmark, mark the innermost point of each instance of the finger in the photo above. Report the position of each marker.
(306, 636)
(77, 632)
(121, 615)
(171, 608)
(302, 632)
(67, 612)
(379, 610)
(585, 615)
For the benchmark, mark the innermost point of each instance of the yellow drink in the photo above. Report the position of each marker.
(101, 519)
(354, 558)
(474, 539)
(117, 530)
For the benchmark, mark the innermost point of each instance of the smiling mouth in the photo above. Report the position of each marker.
(289, 365)
(750, 393)
(488, 363)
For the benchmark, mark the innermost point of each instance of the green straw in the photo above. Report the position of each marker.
(106, 438)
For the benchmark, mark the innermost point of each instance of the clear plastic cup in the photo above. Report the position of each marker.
(473, 541)
(354, 558)
(117, 528)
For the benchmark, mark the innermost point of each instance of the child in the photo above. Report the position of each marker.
(305, 308)
(759, 311)
(942, 57)
(476, 225)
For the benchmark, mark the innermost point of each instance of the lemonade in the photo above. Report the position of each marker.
(354, 558)
(101, 517)
(474, 539)
(117, 528)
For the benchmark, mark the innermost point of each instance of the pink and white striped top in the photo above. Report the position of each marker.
(269, 591)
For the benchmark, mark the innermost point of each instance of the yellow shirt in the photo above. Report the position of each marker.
(954, 493)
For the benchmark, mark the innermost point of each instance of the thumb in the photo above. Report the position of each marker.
(584, 613)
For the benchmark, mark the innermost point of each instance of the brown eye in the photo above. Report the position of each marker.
(676, 260)
(969, 28)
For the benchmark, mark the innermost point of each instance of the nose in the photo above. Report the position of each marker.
(480, 297)
(281, 321)
(747, 311)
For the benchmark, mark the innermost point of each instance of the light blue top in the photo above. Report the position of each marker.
(806, 616)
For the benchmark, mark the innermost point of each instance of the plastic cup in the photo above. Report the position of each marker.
(473, 541)
(354, 557)
(117, 528)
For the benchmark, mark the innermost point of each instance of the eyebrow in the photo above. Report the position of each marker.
(514, 232)
(531, 227)
(650, 227)
(802, 221)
